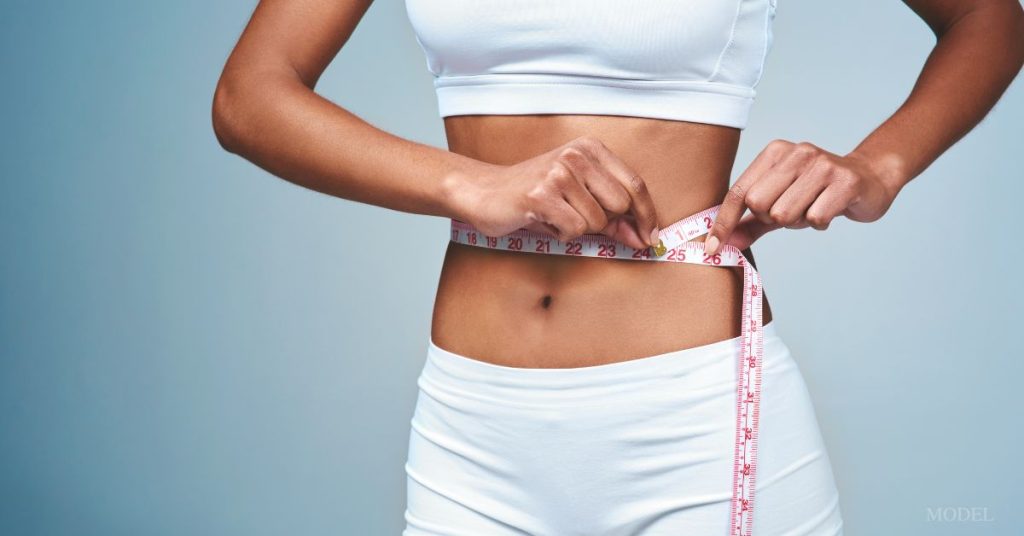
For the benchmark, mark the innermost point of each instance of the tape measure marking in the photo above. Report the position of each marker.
(676, 245)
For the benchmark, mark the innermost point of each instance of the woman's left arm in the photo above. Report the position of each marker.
(978, 52)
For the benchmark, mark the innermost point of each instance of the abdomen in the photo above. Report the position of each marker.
(538, 310)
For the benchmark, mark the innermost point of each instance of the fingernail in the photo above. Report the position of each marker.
(710, 245)
(654, 236)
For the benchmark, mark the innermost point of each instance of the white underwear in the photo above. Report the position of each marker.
(636, 447)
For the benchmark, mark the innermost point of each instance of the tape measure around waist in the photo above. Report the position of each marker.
(676, 245)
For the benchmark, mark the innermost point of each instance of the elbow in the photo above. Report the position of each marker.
(1010, 15)
(1018, 33)
(224, 115)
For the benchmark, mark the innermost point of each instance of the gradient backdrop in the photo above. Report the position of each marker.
(189, 345)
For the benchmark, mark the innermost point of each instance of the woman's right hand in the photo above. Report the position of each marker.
(580, 187)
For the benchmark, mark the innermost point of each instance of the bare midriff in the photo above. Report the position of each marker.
(533, 310)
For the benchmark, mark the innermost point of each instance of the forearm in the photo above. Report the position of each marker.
(972, 64)
(283, 126)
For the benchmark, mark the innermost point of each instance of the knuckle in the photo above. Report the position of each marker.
(538, 193)
(736, 193)
(719, 228)
(559, 175)
(637, 183)
(589, 142)
(781, 216)
(805, 149)
(817, 220)
(578, 227)
(823, 162)
(618, 204)
(778, 145)
(571, 155)
(758, 203)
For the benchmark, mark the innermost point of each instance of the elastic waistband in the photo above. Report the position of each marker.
(656, 367)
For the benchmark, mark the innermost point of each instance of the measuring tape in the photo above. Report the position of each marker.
(675, 245)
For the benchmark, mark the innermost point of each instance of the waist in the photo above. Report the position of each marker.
(530, 310)
(523, 309)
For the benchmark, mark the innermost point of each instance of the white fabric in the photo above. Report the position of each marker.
(636, 447)
(693, 60)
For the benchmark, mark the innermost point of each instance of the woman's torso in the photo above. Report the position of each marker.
(535, 310)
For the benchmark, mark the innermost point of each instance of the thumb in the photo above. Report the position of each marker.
(749, 230)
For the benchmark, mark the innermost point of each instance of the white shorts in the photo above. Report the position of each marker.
(636, 447)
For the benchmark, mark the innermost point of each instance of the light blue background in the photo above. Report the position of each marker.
(189, 345)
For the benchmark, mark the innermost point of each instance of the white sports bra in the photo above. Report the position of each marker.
(688, 60)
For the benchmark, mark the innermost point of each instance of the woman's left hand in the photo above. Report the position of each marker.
(797, 185)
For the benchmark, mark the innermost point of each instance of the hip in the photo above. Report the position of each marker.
(636, 447)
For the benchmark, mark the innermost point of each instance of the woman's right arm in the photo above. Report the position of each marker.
(265, 109)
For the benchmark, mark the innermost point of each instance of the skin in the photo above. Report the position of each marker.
(573, 174)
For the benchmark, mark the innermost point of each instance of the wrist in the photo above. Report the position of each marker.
(890, 169)
(460, 189)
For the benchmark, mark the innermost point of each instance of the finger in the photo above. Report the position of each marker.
(831, 203)
(557, 213)
(623, 229)
(749, 230)
(605, 188)
(614, 197)
(734, 203)
(765, 193)
(790, 209)
(582, 170)
(641, 203)
(619, 229)
(615, 201)
(588, 207)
